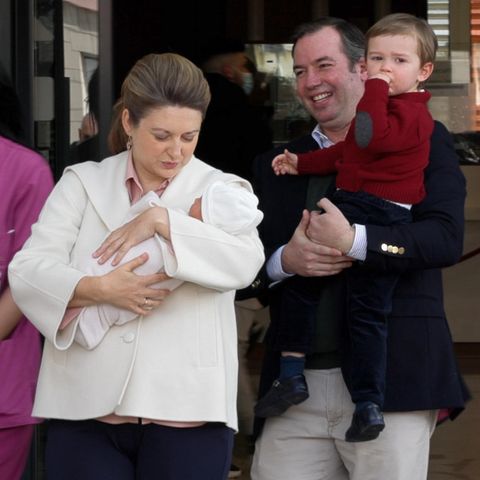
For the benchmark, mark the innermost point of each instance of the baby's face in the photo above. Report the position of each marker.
(196, 209)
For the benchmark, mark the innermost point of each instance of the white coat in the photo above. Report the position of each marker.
(179, 363)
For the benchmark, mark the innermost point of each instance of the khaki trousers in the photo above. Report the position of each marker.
(252, 319)
(307, 441)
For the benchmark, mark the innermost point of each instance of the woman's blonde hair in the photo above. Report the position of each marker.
(406, 24)
(156, 81)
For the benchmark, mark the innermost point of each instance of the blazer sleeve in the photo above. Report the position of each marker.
(435, 237)
(281, 199)
(41, 279)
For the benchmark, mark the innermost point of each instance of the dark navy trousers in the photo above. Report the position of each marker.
(93, 450)
(369, 295)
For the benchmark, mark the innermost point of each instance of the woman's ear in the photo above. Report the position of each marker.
(126, 122)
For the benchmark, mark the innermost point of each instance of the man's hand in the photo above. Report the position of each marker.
(330, 228)
(303, 257)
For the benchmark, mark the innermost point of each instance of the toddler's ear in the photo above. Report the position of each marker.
(425, 72)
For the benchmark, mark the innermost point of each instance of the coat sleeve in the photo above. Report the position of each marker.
(435, 238)
(208, 256)
(40, 275)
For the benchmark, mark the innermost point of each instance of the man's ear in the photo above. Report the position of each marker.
(425, 72)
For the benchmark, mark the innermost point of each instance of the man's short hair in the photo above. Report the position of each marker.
(353, 40)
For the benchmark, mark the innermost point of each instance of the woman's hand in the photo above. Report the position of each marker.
(146, 225)
(122, 288)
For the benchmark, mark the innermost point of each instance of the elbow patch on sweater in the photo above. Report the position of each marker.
(363, 129)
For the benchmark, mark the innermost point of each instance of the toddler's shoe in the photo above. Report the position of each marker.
(367, 423)
(282, 395)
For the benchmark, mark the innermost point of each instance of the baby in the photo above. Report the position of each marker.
(225, 206)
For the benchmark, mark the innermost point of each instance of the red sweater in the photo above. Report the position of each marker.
(386, 148)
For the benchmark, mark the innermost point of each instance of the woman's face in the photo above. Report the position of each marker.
(162, 143)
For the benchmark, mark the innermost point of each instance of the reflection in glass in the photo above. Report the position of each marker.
(80, 34)
(43, 84)
(290, 119)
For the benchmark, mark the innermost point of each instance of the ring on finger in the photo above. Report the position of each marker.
(146, 305)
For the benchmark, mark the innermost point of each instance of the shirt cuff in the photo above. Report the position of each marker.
(70, 315)
(274, 267)
(359, 247)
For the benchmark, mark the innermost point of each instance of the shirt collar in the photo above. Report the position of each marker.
(322, 140)
(132, 182)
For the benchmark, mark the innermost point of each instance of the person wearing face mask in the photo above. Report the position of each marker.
(233, 132)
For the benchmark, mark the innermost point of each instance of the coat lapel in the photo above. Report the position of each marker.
(189, 184)
(104, 183)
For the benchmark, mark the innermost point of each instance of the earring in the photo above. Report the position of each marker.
(129, 143)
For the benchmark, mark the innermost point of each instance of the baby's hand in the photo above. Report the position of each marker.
(382, 76)
(285, 163)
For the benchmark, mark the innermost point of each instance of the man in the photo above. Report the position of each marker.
(307, 442)
(233, 133)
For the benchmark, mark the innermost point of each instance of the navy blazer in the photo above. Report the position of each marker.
(422, 372)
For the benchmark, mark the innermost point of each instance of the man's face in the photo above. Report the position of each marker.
(326, 84)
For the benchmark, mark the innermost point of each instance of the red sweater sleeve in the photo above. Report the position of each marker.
(322, 161)
(394, 125)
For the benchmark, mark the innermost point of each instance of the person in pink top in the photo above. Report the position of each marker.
(25, 182)
(379, 171)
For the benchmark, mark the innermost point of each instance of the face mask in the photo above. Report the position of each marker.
(247, 82)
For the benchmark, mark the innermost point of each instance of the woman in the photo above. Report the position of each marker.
(25, 182)
(156, 399)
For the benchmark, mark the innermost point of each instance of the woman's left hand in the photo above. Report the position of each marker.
(146, 225)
